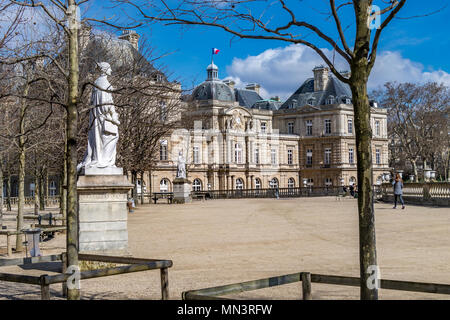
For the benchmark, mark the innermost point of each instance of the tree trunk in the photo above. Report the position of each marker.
(416, 176)
(71, 140)
(41, 192)
(21, 175)
(1, 197)
(8, 192)
(367, 242)
(36, 191)
(46, 193)
(142, 187)
(135, 182)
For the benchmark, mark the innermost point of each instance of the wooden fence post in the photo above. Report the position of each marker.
(165, 283)
(45, 287)
(64, 269)
(306, 285)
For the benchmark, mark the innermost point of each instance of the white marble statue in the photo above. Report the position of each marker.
(103, 125)
(181, 171)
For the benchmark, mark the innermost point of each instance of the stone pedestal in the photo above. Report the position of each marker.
(102, 198)
(182, 190)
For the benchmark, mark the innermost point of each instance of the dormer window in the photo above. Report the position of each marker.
(348, 101)
(311, 101)
(330, 100)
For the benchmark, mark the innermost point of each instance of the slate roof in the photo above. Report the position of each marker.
(247, 98)
(213, 90)
(267, 105)
(305, 95)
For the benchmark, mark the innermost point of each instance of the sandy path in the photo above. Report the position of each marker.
(225, 241)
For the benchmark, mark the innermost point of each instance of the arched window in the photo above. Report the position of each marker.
(239, 184)
(197, 185)
(257, 183)
(52, 188)
(291, 183)
(273, 183)
(237, 153)
(328, 182)
(352, 181)
(164, 185)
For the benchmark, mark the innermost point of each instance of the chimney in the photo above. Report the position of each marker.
(229, 83)
(254, 87)
(132, 37)
(276, 98)
(320, 78)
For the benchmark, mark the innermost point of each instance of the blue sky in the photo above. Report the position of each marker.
(410, 50)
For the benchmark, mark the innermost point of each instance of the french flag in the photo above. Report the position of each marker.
(215, 51)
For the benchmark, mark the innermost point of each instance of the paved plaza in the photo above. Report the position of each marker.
(220, 242)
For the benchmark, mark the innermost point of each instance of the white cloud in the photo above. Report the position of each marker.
(281, 71)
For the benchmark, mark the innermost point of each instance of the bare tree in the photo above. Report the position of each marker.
(417, 121)
(253, 20)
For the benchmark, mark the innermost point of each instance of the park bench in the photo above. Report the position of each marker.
(163, 195)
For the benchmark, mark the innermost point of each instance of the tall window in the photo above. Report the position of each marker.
(239, 184)
(196, 155)
(290, 155)
(378, 156)
(377, 128)
(257, 155)
(351, 158)
(263, 127)
(52, 188)
(164, 185)
(237, 153)
(327, 159)
(350, 126)
(309, 159)
(327, 126)
(273, 156)
(309, 127)
(197, 185)
(328, 182)
(163, 152)
(290, 128)
(257, 183)
(291, 183)
(273, 183)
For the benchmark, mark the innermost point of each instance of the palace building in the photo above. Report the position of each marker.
(234, 139)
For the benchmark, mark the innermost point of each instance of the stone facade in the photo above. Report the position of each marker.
(231, 144)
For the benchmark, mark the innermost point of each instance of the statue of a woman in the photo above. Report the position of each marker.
(103, 124)
(181, 170)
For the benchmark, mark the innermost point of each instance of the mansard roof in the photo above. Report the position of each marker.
(247, 98)
(305, 95)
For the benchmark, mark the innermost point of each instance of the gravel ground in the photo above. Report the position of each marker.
(226, 241)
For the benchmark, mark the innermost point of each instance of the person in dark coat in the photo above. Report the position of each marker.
(398, 191)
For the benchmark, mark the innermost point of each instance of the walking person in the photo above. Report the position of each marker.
(398, 191)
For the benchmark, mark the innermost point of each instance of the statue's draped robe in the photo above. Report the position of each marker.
(103, 133)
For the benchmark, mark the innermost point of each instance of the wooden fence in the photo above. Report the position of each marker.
(307, 278)
(436, 193)
(44, 281)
